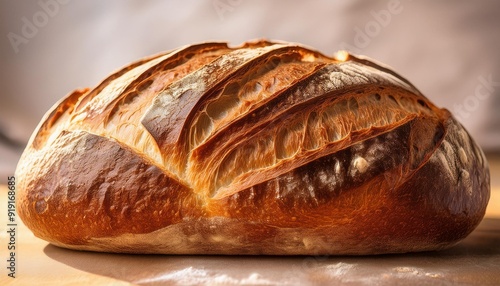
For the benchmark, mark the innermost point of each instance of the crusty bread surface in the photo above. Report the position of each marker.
(263, 148)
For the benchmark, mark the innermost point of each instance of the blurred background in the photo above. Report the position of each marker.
(447, 49)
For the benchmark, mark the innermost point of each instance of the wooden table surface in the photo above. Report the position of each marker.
(474, 261)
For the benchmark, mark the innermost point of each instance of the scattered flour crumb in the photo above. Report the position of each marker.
(197, 276)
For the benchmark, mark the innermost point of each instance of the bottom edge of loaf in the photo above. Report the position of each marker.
(187, 238)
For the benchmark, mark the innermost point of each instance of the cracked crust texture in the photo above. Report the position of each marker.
(264, 148)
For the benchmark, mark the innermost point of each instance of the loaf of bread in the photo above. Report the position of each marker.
(265, 148)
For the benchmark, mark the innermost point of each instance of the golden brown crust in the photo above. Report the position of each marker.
(97, 187)
(266, 148)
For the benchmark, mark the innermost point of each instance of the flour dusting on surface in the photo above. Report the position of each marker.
(200, 276)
